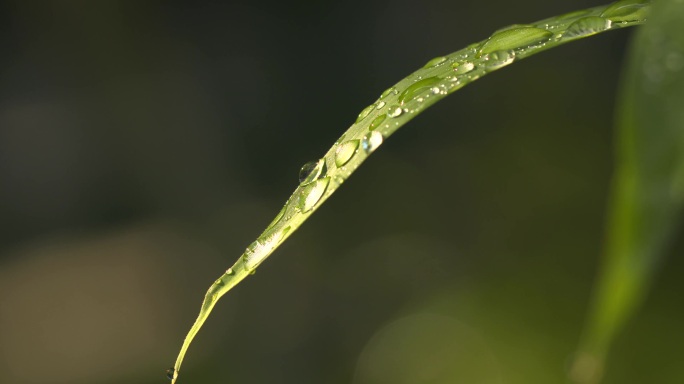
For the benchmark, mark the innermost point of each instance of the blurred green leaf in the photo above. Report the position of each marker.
(648, 186)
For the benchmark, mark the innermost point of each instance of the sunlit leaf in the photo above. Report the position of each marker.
(396, 106)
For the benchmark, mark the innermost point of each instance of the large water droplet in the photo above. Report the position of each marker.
(498, 59)
(388, 91)
(312, 193)
(377, 121)
(311, 171)
(262, 247)
(515, 38)
(371, 141)
(586, 26)
(412, 90)
(627, 10)
(365, 113)
(394, 111)
(462, 67)
(171, 374)
(435, 62)
(380, 105)
(345, 152)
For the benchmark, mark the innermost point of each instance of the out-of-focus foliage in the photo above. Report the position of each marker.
(648, 186)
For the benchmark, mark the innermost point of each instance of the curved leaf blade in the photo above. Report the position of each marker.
(395, 107)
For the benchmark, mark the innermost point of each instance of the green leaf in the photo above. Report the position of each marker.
(648, 188)
(396, 106)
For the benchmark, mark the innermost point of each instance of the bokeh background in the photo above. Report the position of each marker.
(144, 144)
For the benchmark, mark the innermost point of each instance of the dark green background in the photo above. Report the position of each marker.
(143, 145)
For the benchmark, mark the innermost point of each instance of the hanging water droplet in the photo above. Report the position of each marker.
(171, 374)
(371, 141)
(263, 246)
(435, 62)
(377, 121)
(380, 105)
(365, 113)
(627, 10)
(388, 91)
(394, 111)
(515, 38)
(345, 152)
(462, 67)
(412, 90)
(498, 59)
(312, 193)
(229, 271)
(311, 171)
(586, 26)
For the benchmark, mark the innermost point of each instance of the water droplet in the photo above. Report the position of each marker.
(312, 193)
(263, 246)
(171, 374)
(435, 62)
(586, 26)
(218, 281)
(498, 59)
(394, 111)
(377, 121)
(472, 48)
(229, 271)
(387, 92)
(412, 90)
(380, 105)
(515, 38)
(627, 10)
(462, 67)
(365, 113)
(311, 171)
(371, 141)
(345, 152)
(252, 272)
(436, 90)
